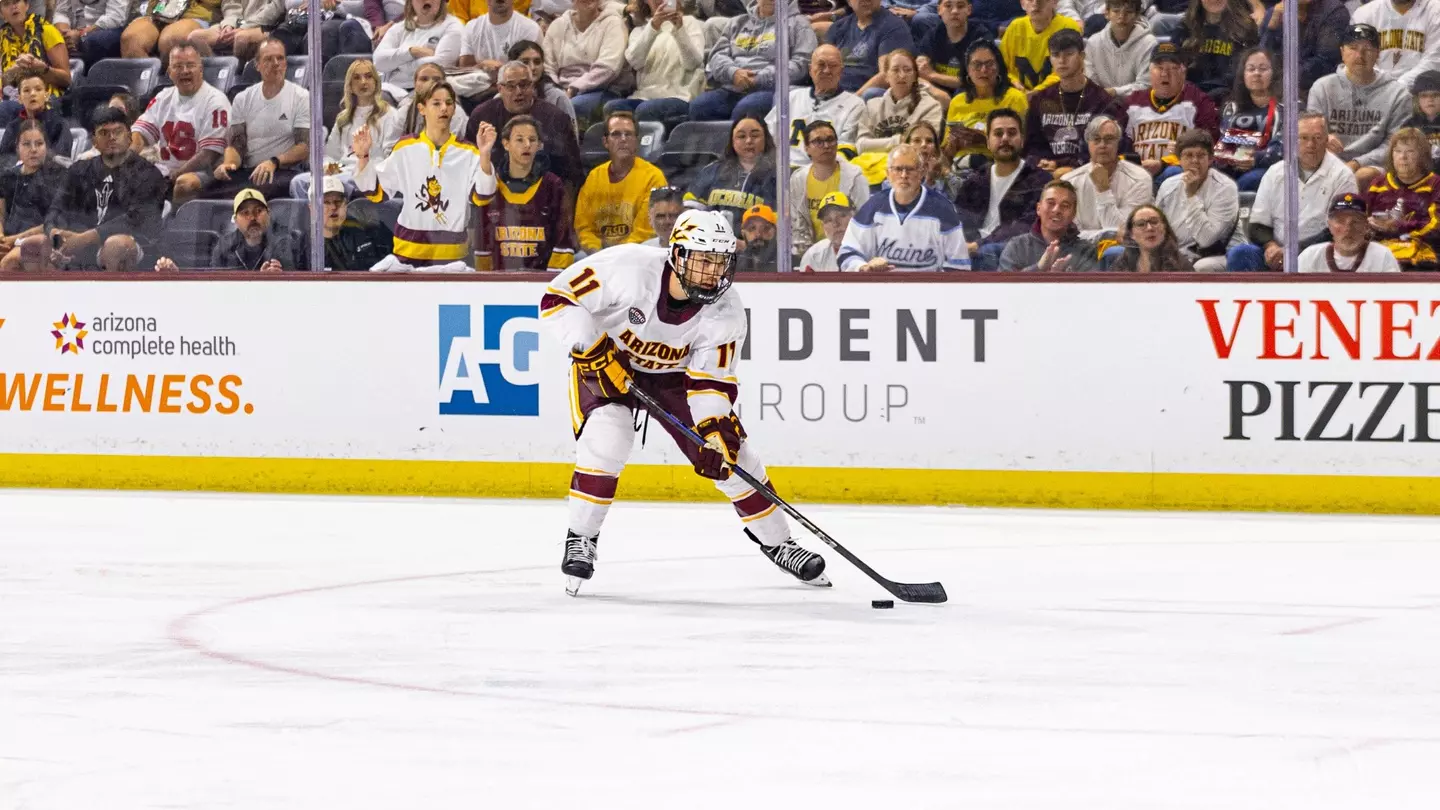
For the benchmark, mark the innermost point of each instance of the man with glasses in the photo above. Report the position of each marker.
(612, 207)
(825, 175)
(557, 130)
(665, 207)
(825, 101)
(1107, 187)
(909, 228)
(108, 212)
(188, 123)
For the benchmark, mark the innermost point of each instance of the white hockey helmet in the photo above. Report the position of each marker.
(702, 254)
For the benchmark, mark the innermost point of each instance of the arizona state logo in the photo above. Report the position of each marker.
(429, 197)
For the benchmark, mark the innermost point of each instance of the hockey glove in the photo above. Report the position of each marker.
(722, 435)
(602, 369)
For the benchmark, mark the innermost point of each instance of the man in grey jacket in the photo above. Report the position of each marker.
(1361, 107)
(1054, 244)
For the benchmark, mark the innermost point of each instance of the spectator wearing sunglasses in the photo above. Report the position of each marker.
(613, 207)
(665, 206)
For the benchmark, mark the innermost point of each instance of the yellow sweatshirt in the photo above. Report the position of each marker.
(1027, 53)
(608, 214)
(467, 10)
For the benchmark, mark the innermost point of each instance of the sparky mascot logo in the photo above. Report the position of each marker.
(487, 360)
(429, 197)
(69, 334)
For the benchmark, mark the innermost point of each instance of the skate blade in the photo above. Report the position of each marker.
(572, 585)
(821, 581)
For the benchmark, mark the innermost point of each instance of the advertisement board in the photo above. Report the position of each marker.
(1195, 394)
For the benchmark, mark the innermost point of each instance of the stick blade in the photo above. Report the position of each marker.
(929, 592)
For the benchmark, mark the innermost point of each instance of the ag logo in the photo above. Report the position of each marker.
(487, 363)
(636, 316)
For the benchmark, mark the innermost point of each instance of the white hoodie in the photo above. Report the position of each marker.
(1127, 66)
(397, 67)
(590, 59)
(668, 63)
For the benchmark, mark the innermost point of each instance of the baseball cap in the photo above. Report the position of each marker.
(1167, 52)
(1360, 32)
(334, 185)
(762, 211)
(248, 195)
(1347, 202)
(835, 199)
(1427, 82)
(1066, 39)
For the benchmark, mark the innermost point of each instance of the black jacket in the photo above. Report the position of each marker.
(126, 199)
(57, 134)
(1320, 34)
(357, 246)
(1017, 209)
(284, 244)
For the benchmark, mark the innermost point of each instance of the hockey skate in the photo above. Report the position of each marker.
(579, 562)
(795, 560)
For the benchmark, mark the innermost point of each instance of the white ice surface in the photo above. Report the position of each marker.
(221, 652)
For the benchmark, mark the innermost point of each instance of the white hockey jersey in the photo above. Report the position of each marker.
(437, 186)
(184, 126)
(928, 236)
(622, 292)
(843, 110)
(1409, 42)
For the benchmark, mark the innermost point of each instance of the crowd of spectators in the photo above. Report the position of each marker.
(466, 135)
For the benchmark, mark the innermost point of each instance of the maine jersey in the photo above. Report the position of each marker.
(184, 126)
(622, 292)
(927, 236)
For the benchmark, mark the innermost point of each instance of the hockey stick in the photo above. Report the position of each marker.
(932, 592)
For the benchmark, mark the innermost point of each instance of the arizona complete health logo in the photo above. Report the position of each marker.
(487, 360)
(69, 334)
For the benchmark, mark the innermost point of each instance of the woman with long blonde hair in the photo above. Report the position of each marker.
(364, 106)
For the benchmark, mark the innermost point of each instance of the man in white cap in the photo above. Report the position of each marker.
(349, 243)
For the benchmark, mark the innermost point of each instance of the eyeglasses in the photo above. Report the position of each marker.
(822, 142)
(1258, 69)
(515, 85)
(904, 169)
(988, 64)
(1146, 223)
(1106, 140)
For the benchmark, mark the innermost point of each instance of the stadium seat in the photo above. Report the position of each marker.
(222, 72)
(295, 67)
(333, 95)
(693, 143)
(189, 248)
(335, 69)
(292, 214)
(79, 140)
(592, 147)
(138, 77)
(77, 73)
(204, 215)
(652, 140)
(370, 213)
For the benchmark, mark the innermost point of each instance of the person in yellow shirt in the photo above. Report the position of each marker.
(614, 204)
(1026, 44)
(984, 87)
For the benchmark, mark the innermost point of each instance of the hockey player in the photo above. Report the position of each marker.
(634, 315)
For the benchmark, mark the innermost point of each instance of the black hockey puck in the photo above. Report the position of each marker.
(882, 603)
